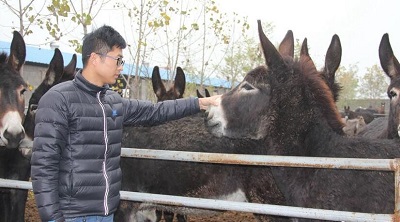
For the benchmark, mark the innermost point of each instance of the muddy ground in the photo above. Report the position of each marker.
(31, 214)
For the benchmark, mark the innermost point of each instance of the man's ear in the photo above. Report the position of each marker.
(93, 58)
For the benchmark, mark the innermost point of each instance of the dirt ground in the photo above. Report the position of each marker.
(31, 214)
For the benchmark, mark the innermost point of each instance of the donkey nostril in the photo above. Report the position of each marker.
(21, 136)
(12, 137)
(7, 135)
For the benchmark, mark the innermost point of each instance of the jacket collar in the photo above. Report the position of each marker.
(85, 85)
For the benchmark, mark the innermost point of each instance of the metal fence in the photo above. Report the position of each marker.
(260, 160)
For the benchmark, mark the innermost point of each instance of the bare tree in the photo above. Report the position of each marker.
(138, 29)
(373, 83)
(209, 47)
(166, 31)
(81, 13)
(28, 14)
(242, 56)
(347, 79)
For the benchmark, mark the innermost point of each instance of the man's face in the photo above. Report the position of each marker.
(109, 66)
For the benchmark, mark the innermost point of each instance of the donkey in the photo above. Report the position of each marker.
(354, 126)
(13, 165)
(298, 117)
(248, 183)
(381, 109)
(17, 166)
(175, 91)
(387, 127)
(56, 73)
(367, 114)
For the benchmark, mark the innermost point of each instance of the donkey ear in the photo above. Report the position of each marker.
(333, 58)
(272, 57)
(389, 62)
(207, 92)
(180, 82)
(158, 85)
(286, 48)
(332, 62)
(56, 69)
(304, 48)
(17, 51)
(70, 69)
(306, 59)
(199, 94)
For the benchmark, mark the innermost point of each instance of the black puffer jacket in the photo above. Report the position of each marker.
(77, 146)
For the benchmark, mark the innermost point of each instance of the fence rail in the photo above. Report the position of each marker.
(262, 160)
(265, 160)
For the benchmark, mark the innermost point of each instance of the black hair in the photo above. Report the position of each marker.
(101, 40)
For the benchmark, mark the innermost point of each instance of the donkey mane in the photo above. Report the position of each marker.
(324, 97)
(319, 94)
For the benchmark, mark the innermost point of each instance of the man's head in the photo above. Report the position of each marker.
(101, 40)
(102, 55)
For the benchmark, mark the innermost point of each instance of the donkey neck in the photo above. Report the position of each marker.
(322, 141)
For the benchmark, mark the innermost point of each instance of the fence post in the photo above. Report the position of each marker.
(396, 215)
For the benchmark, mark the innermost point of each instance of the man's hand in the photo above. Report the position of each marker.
(206, 102)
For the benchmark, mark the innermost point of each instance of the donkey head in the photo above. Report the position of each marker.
(56, 73)
(12, 88)
(391, 66)
(175, 91)
(281, 99)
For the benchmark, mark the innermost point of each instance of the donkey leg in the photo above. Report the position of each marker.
(18, 202)
(168, 216)
(158, 215)
(261, 188)
(20, 170)
(5, 206)
(181, 218)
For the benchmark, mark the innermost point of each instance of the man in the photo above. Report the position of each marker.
(78, 132)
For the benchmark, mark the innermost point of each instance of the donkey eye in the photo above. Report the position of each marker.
(22, 91)
(247, 86)
(392, 94)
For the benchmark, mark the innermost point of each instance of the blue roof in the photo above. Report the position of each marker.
(40, 55)
(43, 56)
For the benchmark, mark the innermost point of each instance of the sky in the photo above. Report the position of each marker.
(359, 24)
